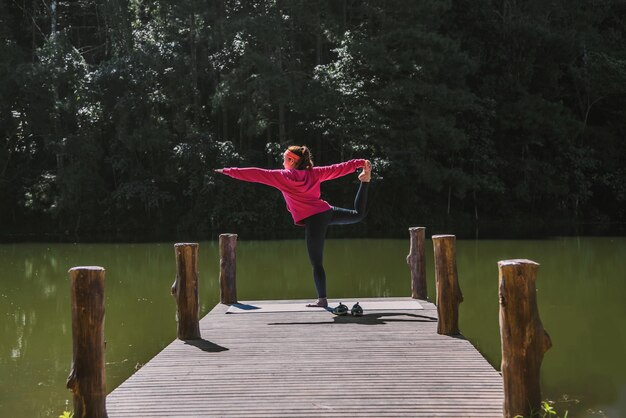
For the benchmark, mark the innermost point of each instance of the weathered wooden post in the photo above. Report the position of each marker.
(524, 341)
(417, 263)
(185, 291)
(228, 268)
(87, 379)
(449, 295)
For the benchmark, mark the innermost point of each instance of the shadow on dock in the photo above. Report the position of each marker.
(206, 345)
(367, 319)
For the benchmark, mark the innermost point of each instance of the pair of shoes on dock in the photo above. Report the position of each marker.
(342, 310)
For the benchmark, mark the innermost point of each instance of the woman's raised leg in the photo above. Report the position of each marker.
(343, 216)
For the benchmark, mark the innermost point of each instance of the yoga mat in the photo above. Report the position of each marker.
(261, 307)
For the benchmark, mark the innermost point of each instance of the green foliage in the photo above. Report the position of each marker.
(547, 411)
(67, 414)
(114, 115)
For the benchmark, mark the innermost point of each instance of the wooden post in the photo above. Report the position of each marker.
(524, 341)
(417, 263)
(449, 295)
(87, 379)
(228, 268)
(185, 291)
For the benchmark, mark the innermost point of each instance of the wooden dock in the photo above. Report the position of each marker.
(389, 362)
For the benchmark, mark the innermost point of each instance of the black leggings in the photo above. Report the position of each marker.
(315, 233)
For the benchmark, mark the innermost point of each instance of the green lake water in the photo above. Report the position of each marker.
(581, 290)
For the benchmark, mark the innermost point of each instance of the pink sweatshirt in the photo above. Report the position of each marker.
(300, 188)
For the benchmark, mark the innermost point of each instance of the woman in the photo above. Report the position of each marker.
(299, 183)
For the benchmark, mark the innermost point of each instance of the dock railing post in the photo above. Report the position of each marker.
(449, 295)
(524, 340)
(185, 291)
(87, 379)
(417, 263)
(228, 268)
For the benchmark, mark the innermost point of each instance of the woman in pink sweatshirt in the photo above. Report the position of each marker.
(299, 182)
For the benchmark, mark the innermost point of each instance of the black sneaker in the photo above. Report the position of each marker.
(356, 310)
(341, 310)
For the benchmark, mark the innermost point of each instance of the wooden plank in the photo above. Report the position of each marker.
(313, 363)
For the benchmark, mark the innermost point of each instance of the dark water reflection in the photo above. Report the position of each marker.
(581, 288)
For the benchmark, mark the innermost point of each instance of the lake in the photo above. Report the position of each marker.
(581, 289)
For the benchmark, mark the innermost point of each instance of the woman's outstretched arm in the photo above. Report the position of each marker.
(255, 175)
(334, 171)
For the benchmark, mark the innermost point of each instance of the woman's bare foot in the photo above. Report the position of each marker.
(319, 303)
(366, 174)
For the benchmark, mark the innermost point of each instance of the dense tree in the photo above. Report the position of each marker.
(113, 114)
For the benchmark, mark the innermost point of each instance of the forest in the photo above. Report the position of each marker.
(500, 115)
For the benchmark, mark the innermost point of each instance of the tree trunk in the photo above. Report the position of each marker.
(224, 123)
(193, 49)
(417, 263)
(185, 291)
(87, 379)
(449, 295)
(53, 18)
(282, 134)
(33, 25)
(281, 102)
(228, 268)
(475, 205)
(524, 341)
